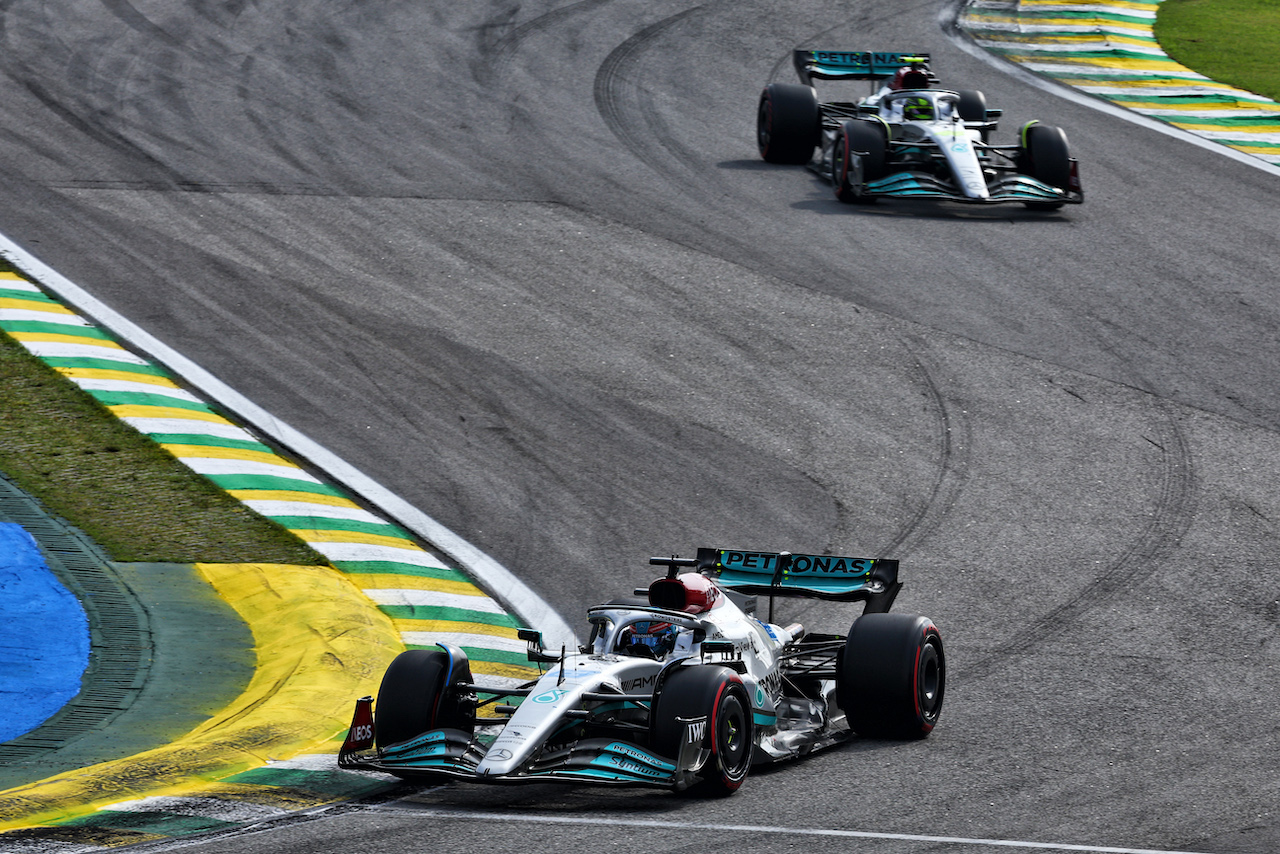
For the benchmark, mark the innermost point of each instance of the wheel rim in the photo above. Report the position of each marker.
(732, 736)
(764, 123)
(929, 683)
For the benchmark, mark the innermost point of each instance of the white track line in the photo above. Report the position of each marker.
(619, 821)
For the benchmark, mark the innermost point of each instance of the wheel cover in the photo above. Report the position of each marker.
(732, 744)
(764, 124)
(929, 684)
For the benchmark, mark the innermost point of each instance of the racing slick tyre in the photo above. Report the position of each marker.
(1045, 156)
(857, 156)
(788, 123)
(709, 703)
(972, 107)
(892, 676)
(412, 698)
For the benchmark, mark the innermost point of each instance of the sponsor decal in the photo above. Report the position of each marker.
(857, 59)
(548, 697)
(623, 763)
(697, 731)
(960, 147)
(632, 760)
(772, 683)
(800, 564)
(629, 685)
(363, 732)
(500, 754)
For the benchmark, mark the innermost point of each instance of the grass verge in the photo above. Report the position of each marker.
(133, 498)
(1231, 41)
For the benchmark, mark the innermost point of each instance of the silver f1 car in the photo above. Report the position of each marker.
(684, 685)
(907, 139)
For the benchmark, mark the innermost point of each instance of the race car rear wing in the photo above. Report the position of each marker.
(842, 579)
(853, 64)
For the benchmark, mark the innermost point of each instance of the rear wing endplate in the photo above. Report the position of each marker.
(842, 579)
(852, 64)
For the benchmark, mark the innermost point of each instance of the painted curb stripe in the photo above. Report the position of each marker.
(421, 599)
(1110, 51)
(144, 396)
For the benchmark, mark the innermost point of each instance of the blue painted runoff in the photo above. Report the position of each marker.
(44, 636)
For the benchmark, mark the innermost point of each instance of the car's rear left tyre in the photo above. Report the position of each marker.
(710, 704)
(858, 155)
(413, 697)
(788, 123)
(892, 676)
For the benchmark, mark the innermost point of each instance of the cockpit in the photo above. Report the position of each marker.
(919, 105)
(633, 632)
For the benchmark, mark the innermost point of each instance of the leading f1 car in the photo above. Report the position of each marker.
(909, 138)
(682, 683)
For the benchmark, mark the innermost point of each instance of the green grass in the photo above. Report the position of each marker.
(1231, 41)
(126, 492)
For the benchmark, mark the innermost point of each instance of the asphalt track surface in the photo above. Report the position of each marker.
(522, 265)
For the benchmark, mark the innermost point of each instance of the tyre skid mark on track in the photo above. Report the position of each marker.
(953, 434)
(632, 118)
(500, 52)
(1170, 520)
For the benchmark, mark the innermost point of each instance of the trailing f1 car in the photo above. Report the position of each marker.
(907, 139)
(682, 685)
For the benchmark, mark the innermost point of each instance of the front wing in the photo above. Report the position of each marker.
(1009, 188)
(453, 753)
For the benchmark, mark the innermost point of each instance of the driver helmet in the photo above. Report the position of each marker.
(917, 109)
(647, 638)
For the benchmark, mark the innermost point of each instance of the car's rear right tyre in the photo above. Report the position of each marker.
(788, 123)
(892, 676)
